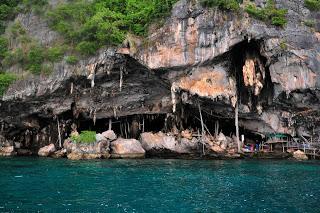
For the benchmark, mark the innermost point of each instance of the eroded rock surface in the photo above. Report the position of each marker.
(200, 57)
(160, 143)
(127, 148)
(79, 151)
(47, 150)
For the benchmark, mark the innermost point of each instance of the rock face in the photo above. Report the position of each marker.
(7, 151)
(200, 56)
(300, 155)
(127, 148)
(47, 150)
(79, 151)
(160, 143)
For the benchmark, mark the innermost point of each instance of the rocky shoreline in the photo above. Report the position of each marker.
(150, 145)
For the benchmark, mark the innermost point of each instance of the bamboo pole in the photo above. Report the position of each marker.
(202, 128)
(110, 123)
(59, 133)
(237, 126)
(142, 123)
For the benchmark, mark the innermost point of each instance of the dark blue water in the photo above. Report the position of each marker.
(50, 185)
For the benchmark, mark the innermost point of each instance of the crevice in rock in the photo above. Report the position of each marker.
(254, 85)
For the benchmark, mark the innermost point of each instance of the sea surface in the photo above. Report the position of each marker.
(157, 185)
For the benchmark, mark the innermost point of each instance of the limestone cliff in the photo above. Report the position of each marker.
(201, 56)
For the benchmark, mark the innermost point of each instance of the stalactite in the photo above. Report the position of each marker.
(71, 88)
(173, 97)
(94, 117)
(121, 77)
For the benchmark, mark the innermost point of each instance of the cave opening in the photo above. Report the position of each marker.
(249, 66)
(126, 127)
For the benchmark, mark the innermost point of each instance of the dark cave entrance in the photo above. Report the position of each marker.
(125, 127)
(249, 66)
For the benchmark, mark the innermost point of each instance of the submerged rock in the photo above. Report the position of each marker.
(300, 155)
(7, 151)
(47, 150)
(127, 148)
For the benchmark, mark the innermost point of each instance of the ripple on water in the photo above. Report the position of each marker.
(162, 185)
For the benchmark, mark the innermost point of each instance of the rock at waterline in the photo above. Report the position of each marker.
(7, 151)
(300, 155)
(47, 150)
(84, 151)
(127, 148)
(60, 153)
(162, 143)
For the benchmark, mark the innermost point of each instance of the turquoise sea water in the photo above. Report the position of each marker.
(155, 185)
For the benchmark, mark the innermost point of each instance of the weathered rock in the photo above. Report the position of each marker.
(217, 149)
(187, 134)
(110, 135)
(160, 142)
(127, 148)
(300, 155)
(7, 151)
(83, 156)
(78, 151)
(192, 52)
(47, 150)
(60, 153)
(100, 137)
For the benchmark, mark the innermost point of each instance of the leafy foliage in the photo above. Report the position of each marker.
(55, 54)
(71, 59)
(313, 5)
(269, 13)
(3, 47)
(8, 9)
(85, 137)
(5, 80)
(88, 25)
(232, 5)
(35, 60)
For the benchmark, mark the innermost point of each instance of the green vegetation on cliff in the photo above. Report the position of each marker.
(269, 13)
(232, 5)
(89, 25)
(5, 80)
(313, 5)
(85, 137)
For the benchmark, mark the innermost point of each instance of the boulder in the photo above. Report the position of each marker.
(47, 150)
(217, 149)
(300, 155)
(100, 137)
(78, 151)
(7, 151)
(60, 153)
(127, 148)
(221, 137)
(110, 135)
(83, 156)
(187, 134)
(160, 142)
